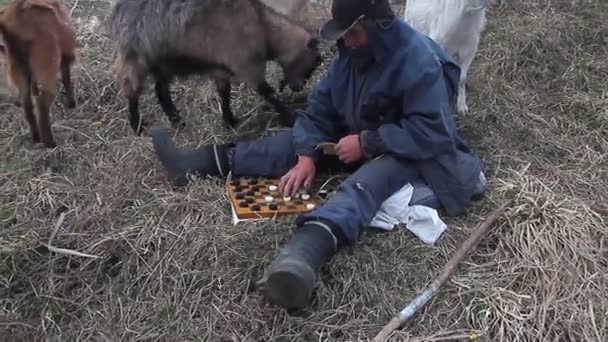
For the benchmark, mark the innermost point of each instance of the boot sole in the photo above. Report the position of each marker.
(290, 284)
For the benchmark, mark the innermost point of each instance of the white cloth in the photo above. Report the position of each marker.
(423, 221)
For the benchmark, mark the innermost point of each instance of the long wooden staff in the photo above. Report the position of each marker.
(415, 305)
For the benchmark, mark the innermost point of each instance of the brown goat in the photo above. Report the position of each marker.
(38, 42)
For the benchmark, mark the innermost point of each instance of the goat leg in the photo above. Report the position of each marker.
(130, 82)
(44, 102)
(164, 99)
(286, 118)
(28, 109)
(224, 87)
(66, 79)
(134, 118)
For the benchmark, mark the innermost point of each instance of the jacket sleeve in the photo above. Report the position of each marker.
(319, 122)
(423, 131)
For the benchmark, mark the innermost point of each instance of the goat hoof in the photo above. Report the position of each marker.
(231, 123)
(70, 103)
(139, 129)
(50, 144)
(462, 108)
(463, 111)
(178, 124)
(68, 100)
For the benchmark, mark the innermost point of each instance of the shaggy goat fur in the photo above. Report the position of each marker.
(456, 25)
(222, 39)
(289, 8)
(38, 42)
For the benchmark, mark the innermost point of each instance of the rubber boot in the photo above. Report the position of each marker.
(208, 160)
(290, 279)
(480, 188)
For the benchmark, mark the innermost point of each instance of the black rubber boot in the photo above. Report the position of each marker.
(290, 280)
(209, 160)
(480, 188)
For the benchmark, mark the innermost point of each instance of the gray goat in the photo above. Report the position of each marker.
(221, 39)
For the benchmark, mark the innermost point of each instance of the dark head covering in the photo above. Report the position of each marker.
(347, 13)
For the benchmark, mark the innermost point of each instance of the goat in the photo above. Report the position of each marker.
(293, 9)
(216, 38)
(38, 42)
(456, 25)
(289, 8)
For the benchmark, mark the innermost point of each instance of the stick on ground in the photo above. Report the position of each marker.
(431, 290)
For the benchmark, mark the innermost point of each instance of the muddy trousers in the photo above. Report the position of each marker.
(357, 199)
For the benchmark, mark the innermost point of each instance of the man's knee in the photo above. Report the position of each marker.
(359, 197)
(382, 176)
(346, 212)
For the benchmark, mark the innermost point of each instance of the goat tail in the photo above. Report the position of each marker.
(17, 58)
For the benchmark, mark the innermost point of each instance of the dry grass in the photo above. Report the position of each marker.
(170, 266)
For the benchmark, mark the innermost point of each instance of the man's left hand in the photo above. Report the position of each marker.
(348, 149)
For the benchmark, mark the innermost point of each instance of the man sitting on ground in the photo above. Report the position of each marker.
(388, 101)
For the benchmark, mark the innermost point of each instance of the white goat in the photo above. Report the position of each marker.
(456, 25)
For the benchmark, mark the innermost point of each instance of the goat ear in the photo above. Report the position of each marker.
(313, 43)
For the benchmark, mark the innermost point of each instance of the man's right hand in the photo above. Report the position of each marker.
(302, 174)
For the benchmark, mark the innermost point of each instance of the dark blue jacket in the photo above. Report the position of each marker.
(399, 94)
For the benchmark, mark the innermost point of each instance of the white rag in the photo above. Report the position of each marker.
(421, 220)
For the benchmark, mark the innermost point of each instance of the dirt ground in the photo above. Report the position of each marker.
(169, 265)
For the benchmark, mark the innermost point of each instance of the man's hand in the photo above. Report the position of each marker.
(348, 149)
(301, 174)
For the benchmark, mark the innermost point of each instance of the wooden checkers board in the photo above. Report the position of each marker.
(248, 199)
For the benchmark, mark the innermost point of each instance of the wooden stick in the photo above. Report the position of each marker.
(63, 250)
(70, 252)
(414, 306)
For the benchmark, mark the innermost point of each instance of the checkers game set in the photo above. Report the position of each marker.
(256, 198)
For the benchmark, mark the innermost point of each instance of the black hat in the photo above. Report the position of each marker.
(347, 13)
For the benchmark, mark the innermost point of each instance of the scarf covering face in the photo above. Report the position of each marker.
(363, 56)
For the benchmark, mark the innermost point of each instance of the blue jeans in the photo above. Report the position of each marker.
(356, 200)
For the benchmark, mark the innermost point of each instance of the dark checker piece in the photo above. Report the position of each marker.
(240, 195)
(253, 181)
(273, 206)
(255, 207)
(243, 204)
(250, 192)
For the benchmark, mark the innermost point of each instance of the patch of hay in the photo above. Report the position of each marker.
(168, 265)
